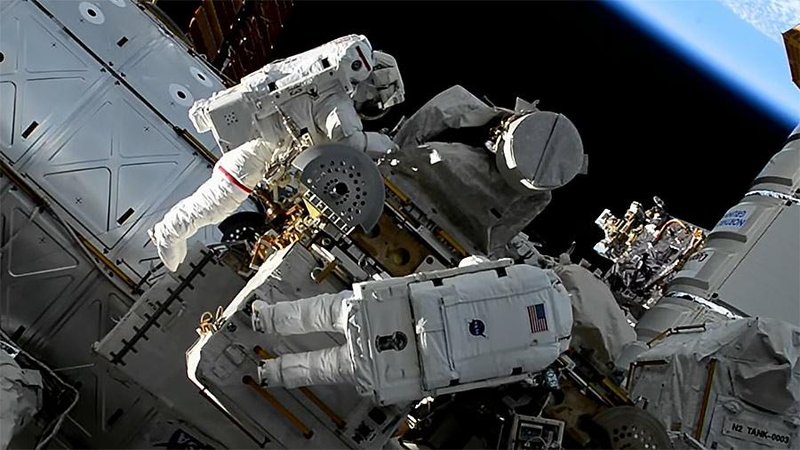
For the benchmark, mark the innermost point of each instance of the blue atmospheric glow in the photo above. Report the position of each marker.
(712, 36)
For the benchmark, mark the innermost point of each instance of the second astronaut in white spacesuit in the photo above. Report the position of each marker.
(486, 323)
(327, 111)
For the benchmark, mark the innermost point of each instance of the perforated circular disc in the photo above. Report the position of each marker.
(243, 225)
(346, 180)
(540, 151)
(631, 427)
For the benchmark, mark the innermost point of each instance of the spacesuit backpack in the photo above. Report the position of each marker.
(458, 329)
(254, 106)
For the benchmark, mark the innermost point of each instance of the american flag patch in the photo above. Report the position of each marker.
(537, 317)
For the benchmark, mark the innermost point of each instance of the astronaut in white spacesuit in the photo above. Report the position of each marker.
(320, 92)
(420, 335)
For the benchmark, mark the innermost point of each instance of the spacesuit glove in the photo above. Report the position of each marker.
(378, 145)
(172, 253)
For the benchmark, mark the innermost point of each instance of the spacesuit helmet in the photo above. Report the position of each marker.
(381, 90)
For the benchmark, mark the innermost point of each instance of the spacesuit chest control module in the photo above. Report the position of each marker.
(426, 334)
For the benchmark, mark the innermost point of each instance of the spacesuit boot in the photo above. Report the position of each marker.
(232, 180)
(269, 374)
(171, 254)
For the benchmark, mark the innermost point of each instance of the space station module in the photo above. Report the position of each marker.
(426, 334)
(274, 114)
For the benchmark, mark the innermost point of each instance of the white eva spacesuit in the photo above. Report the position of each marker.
(315, 93)
(431, 333)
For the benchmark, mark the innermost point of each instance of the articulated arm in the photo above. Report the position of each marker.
(339, 120)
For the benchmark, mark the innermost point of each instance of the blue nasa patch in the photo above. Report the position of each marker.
(477, 328)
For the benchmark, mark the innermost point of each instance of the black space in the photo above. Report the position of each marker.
(651, 123)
